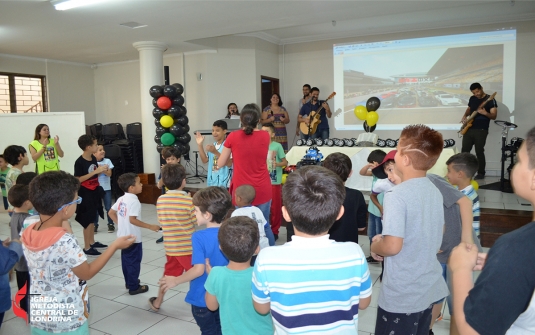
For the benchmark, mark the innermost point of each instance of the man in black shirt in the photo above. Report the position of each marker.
(477, 134)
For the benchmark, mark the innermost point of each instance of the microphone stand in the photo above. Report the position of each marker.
(196, 176)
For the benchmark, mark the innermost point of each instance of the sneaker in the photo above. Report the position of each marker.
(479, 176)
(141, 289)
(91, 252)
(111, 228)
(276, 236)
(431, 332)
(370, 259)
(160, 240)
(96, 229)
(439, 317)
(98, 245)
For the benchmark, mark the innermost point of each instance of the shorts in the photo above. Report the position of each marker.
(91, 204)
(176, 265)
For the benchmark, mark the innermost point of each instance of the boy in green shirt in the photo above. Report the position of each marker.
(229, 287)
(276, 161)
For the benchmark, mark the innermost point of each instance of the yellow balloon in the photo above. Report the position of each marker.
(372, 118)
(284, 176)
(475, 185)
(360, 112)
(166, 121)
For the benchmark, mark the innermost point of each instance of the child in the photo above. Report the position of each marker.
(86, 169)
(228, 288)
(105, 182)
(375, 205)
(211, 206)
(126, 213)
(15, 155)
(19, 197)
(176, 215)
(216, 177)
(276, 161)
(171, 156)
(413, 221)
(10, 253)
(58, 268)
(312, 284)
(347, 228)
(457, 221)
(461, 169)
(4, 169)
(502, 299)
(243, 197)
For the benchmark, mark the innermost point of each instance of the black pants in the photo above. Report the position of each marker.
(403, 323)
(476, 138)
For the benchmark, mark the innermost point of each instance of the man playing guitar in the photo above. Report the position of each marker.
(313, 105)
(477, 133)
(306, 98)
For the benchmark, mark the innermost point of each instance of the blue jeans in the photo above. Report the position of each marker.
(208, 321)
(131, 264)
(6, 205)
(107, 206)
(375, 226)
(264, 208)
(320, 133)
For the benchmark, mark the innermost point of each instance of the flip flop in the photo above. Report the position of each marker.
(151, 303)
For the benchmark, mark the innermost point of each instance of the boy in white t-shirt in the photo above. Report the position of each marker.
(104, 179)
(127, 214)
(245, 195)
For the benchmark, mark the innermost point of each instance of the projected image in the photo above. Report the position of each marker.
(417, 82)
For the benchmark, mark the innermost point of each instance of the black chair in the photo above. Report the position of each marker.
(120, 131)
(88, 130)
(133, 130)
(110, 133)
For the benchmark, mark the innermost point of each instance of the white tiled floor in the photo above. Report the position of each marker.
(114, 311)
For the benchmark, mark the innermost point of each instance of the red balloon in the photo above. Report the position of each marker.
(164, 102)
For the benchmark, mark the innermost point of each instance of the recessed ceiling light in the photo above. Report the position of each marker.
(133, 25)
(69, 4)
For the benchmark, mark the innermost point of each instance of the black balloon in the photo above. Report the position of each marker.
(157, 139)
(186, 149)
(373, 104)
(160, 131)
(183, 111)
(178, 100)
(186, 129)
(156, 91)
(367, 128)
(159, 147)
(179, 147)
(183, 120)
(157, 113)
(179, 88)
(169, 91)
(184, 138)
(157, 123)
(155, 102)
(174, 112)
(176, 130)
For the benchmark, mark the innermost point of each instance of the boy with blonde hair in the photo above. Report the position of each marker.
(413, 221)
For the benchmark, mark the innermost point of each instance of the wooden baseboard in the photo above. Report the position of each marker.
(496, 222)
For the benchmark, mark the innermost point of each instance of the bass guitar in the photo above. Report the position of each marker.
(470, 119)
(314, 119)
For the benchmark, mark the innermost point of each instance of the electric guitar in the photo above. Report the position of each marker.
(470, 119)
(314, 119)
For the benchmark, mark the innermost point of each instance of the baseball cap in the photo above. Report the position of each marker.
(379, 170)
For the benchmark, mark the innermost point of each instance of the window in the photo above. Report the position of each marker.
(22, 93)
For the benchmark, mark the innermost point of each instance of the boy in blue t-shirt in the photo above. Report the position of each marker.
(104, 179)
(228, 288)
(216, 177)
(375, 205)
(211, 207)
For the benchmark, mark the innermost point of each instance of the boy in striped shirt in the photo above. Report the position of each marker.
(176, 215)
(312, 284)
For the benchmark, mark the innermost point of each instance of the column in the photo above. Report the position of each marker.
(151, 73)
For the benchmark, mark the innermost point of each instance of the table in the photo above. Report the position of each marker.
(359, 158)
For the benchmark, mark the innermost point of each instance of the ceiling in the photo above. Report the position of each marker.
(92, 34)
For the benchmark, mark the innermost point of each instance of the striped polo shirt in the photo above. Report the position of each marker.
(314, 285)
(176, 215)
(471, 193)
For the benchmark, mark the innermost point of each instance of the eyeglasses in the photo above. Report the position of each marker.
(77, 201)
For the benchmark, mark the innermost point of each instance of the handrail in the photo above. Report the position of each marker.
(34, 107)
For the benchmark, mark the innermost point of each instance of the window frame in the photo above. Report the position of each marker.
(13, 94)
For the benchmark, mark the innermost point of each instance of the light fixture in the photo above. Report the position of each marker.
(69, 4)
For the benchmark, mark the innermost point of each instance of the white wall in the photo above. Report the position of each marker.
(312, 63)
(70, 85)
(267, 64)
